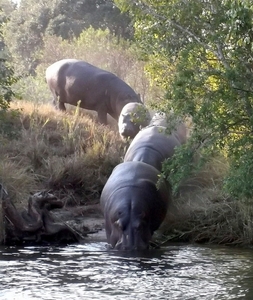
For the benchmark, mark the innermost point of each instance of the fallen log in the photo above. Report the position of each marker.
(38, 224)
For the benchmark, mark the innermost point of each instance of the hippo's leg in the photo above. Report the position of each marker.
(61, 106)
(102, 116)
(114, 239)
(110, 235)
(57, 101)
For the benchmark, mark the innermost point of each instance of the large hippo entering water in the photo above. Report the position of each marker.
(134, 206)
(72, 80)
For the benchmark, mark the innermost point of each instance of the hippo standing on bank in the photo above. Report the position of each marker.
(133, 206)
(133, 117)
(152, 145)
(72, 80)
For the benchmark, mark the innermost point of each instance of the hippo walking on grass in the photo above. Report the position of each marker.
(74, 80)
(134, 205)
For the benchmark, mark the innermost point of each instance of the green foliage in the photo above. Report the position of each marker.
(33, 88)
(7, 79)
(23, 34)
(201, 54)
(70, 18)
(239, 182)
(182, 164)
(31, 20)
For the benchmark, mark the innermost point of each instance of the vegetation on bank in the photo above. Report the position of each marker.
(45, 149)
(200, 52)
(73, 156)
(193, 57)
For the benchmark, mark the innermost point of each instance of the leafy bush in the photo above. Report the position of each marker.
(200, 52)
(33, 88)
(7, 79)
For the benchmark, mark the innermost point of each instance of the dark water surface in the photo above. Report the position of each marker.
(89, 271)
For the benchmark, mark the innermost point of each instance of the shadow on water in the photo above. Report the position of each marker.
(89, 271)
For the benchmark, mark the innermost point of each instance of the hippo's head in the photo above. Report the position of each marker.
(133, 217)
(133, 117)
(132, 235)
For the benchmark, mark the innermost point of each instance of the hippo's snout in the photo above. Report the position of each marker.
(134, 238)
(127, 131)
(139, 246)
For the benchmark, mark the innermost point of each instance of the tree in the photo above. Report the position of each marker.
(7, 77)
(23, 34)
(201, 53)
(69, 18)
(6, 9)
(31, 20)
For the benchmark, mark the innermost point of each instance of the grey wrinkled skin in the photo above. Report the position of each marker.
(152, 145)
(133, 117)
(71, 81)
(133, 206)
(178, 128)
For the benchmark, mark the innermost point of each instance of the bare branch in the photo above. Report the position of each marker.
(243, 90)
(191, 34)
(221, 56)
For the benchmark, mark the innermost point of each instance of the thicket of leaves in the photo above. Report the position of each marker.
(7, 78)
(31, 20)
(201, 53)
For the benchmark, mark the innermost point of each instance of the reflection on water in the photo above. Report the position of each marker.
(88, 271)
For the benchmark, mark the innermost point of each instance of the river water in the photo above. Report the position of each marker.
(89, 271)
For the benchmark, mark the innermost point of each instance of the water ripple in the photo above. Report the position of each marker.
(88, 271)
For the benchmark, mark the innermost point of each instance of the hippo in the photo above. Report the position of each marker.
(133, 117)
(134, 206)
(152, 145)
(77, 82)
(177, 126)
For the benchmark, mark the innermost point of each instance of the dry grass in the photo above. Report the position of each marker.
(67, 152)
(202, 213)
(73, 155)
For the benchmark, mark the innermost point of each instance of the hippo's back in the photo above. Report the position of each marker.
(53, 70)
(134, 174)
(77, 72)
(76, 81)
(152, 145)
(74, 69)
